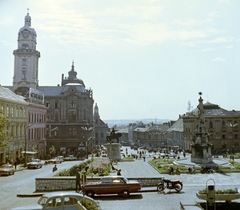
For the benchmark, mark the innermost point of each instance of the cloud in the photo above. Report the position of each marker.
(208, 49)
(218, 59)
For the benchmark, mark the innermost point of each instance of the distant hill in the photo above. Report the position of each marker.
(126, 122)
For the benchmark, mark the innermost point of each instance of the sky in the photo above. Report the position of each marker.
(142, 58)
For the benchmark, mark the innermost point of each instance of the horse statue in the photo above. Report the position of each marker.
(114, 136)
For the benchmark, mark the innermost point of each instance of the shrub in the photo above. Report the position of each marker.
(228, 191)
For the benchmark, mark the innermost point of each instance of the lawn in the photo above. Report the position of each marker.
(162, 165)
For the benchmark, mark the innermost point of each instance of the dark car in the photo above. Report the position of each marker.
(111, 185)
(7, 169)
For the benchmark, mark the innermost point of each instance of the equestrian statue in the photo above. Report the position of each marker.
(113, 135)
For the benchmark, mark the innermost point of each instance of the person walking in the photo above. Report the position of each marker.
(54, 168)
(78, 180)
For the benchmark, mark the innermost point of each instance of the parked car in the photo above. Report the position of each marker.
(172, 154)
(69, 158)
(59, 200)
(111, 185)
(35, 163)
(7, 169)
(55, 160)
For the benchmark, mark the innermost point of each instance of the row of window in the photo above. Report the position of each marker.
(34, 117)
(13, 112)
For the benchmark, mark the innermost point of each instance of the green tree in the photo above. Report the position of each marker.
(4, 138)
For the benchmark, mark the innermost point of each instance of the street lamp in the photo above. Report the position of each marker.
(232, 126)
(86, 136)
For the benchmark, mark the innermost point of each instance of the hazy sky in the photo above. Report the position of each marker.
(142, 58)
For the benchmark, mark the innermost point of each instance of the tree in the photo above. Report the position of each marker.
(4, 138)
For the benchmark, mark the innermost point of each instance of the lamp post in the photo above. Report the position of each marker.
(232, 126)
(86, 130)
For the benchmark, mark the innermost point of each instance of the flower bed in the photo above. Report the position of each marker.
(225, 195)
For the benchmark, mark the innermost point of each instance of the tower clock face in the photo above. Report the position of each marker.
(25, 34)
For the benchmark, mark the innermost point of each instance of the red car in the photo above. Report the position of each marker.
(111, 185)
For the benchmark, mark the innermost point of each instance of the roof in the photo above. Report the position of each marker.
(8, 95)
(177, 126)
(213, 110)
(56, 91)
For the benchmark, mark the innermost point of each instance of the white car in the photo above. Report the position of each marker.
(60, 200)
(35, 163)
(55, 160)
(69, 158)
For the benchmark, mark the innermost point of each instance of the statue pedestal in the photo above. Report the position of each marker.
(201, 154)
(113, 151)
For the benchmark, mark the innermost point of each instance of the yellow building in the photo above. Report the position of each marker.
(14, 107)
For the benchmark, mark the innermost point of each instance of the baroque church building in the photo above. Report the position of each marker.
(71, 122)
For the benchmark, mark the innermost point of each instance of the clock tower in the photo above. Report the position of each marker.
(26, 59)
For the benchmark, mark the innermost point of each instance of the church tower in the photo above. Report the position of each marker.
(96, 114)
(26, 59)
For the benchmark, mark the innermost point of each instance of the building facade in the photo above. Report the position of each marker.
(70, 124)
(60, 117)
(101, 128)
(14, 108)
(222, 125)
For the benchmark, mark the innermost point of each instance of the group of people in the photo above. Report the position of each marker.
(172, 172)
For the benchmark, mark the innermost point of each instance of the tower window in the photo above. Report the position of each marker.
(24, 74)
(24, 62)
(25, 46)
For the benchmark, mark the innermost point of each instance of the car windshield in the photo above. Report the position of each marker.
(34, 160)
(6, 166)
(42, 201)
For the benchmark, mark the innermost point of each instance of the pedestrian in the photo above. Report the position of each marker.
(54, 168)
(119, 172)
(15, 164)
(78, 180)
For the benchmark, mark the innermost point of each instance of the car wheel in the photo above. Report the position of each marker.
(90, 193)
(13, 173)
(125, 193)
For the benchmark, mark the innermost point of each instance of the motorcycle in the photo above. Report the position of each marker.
(169, 184)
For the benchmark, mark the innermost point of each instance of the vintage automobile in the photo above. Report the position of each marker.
(111, 185)
(7, 169)
(35, 163)
(69, 158)
(55, 160)
(60, 200)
